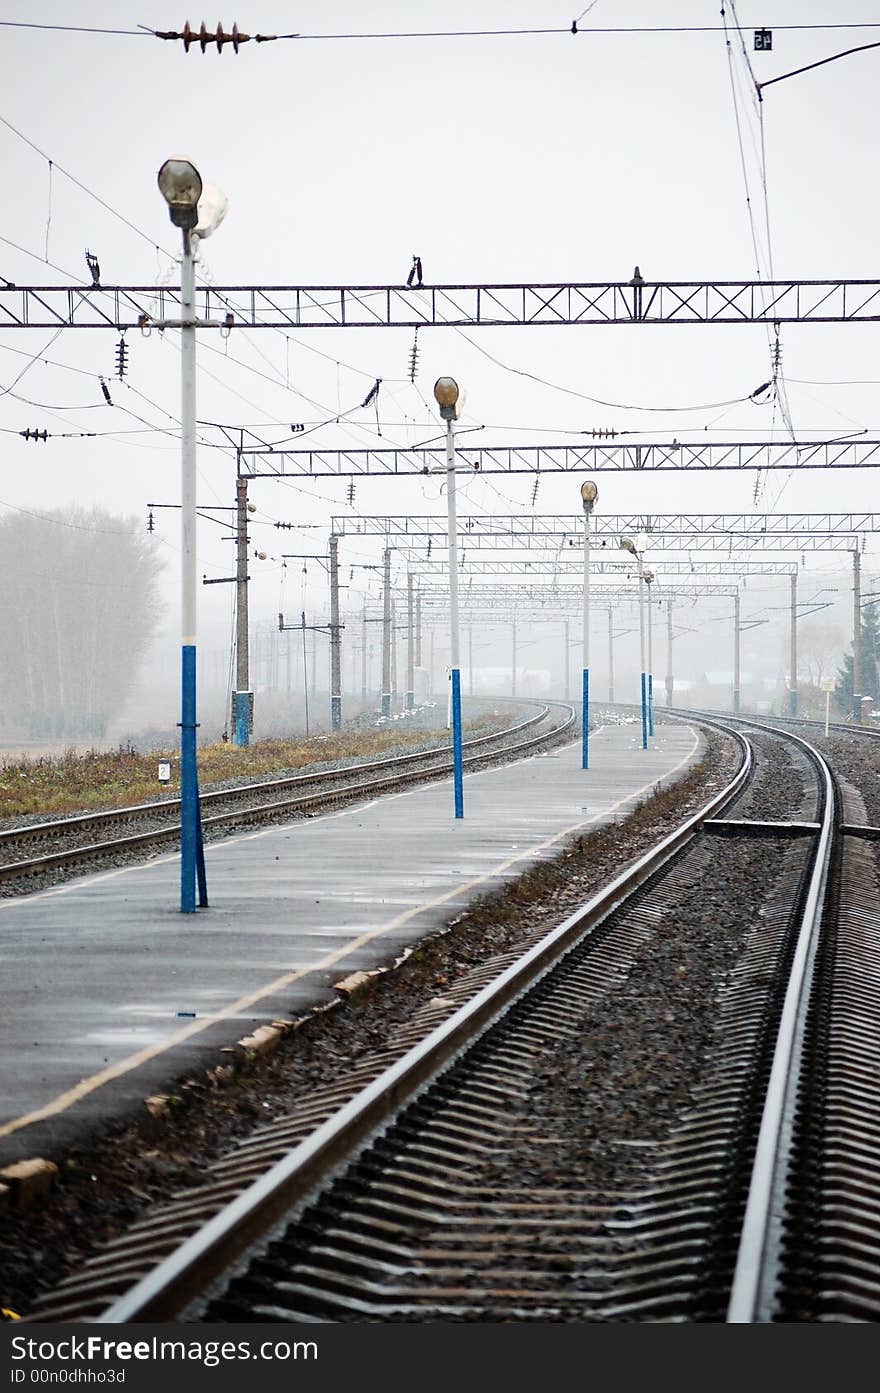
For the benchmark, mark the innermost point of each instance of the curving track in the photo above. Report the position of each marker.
(571, 1136)
(65, 845)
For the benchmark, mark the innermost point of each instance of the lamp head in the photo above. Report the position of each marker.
(446, 395)
(647, 576)
(181, 186)
(629, 545)
(589, 494)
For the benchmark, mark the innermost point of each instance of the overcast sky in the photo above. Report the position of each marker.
(541, 157)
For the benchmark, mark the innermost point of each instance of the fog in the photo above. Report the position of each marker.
(532, 157)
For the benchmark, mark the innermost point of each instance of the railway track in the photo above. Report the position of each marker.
(92, 839)
(485, 1167)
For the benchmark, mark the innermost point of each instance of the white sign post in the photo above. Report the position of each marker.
(828, 685)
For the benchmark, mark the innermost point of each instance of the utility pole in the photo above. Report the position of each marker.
(470, 659)
(736, 631)
(305, 628)
(567, 686)
(333, 628)
(335, 640)
(409, 700)
(513, 660)
(670, 684)
(857, 636)
(793, 682)
(385, 705)
(610, 654)
(364, 658)
(418, 628)
(243, 717)
(394, 688)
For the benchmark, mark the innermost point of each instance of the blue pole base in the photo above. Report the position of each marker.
(585, 724)
(644, 711)
(385, 708)
(242, 718)
(409, 701)
(456, 743)
(336, 713)
(192, 852)
(650, 703)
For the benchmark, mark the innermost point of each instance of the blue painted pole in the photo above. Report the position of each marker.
(650, 703)
(454, 660)
(456, 743)
(642, 655)
(242, 718)
(201, 875)
(188, 780)
(190, 825)
(589, 494)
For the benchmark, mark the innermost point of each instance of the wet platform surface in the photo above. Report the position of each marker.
(101, 976)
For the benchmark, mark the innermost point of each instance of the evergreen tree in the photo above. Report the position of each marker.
(869, 678)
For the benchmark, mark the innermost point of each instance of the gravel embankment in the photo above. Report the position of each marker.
(857, 759)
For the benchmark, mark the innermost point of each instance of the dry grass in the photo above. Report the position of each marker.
(74, 782)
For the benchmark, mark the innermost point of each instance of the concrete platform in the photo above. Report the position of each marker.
(101, 976)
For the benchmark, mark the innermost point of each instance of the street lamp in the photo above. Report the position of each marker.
(447, 396)
(181, 186)
(635, 548)
(589, 494)
(649, 576)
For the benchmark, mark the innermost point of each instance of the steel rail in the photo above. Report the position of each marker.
(16, 870)
(759, 1256)
(32, 831)
(175, 1281)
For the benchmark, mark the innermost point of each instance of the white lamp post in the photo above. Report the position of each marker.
(589, 494)
(649, 576)
(447, 396)
(635, 548)
(181, 186)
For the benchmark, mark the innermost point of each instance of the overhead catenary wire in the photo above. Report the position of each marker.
(600, 401)
(144, 31)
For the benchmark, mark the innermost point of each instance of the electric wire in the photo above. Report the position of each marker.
(143, 31)
(599, 401)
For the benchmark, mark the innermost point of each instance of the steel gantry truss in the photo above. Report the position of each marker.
(497, 606)
(800, 532)
(397, 306)
(268, 462)
(570, 566)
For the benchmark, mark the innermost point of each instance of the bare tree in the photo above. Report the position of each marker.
(820, 648)
(80, 605)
